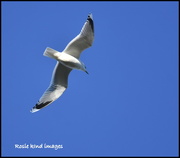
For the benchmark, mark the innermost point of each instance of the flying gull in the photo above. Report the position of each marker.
(67, 60)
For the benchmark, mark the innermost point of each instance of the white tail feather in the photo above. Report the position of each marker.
(49, 52)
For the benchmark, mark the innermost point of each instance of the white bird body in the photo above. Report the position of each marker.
(67, 60)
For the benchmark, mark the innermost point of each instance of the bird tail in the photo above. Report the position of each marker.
(49, 52)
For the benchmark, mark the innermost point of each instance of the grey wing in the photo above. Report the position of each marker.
(58, 85)
(83, 40)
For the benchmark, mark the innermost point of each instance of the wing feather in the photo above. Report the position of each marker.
(58, 85)
(83, 40)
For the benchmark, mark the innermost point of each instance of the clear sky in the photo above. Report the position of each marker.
(126, 106)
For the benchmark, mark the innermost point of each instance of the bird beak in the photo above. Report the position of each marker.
(86, 72)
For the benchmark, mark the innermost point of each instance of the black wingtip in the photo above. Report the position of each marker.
(38, 106)
(90, 19)
(90, 16)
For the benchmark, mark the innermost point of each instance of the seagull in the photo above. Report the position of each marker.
(67, 60)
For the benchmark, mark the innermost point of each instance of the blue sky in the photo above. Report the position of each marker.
(126, 106)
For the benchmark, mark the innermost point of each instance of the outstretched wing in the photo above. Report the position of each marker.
(83, 40)
(58, 85)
